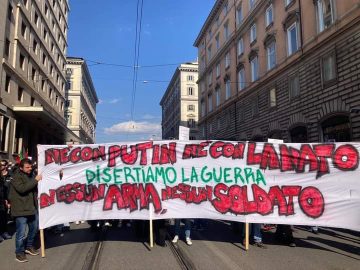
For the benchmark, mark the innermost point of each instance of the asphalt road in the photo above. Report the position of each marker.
(217, 247)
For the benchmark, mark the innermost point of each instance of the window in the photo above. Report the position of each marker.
(43, 84)
(294, 87)
(7, 84)
(36, 19)
(217, 96)
(32, 101)
(253, 33)
(45, 34)
(202, 63)
(10, 12)
(209, 52)
(217, 21)
(217, 42)
(227, 60)
(46, 10)
(190, 91)
(292, 39)
(325, 14)
(239, 15)
(241, 79)
(328, 68)
(50, 93)
(20, 94)
(5, 127)
(23, 30)
(203, 111)
(240, 46)
(269, 15)
(210, 34)
(210, 78)
(210, 108)
(190, 78)
(226, 9)
(33, 74)
(228, 89)
(218, 123)
(288, 2)
(254, 69)
(210, 128)
(255, 107)
(226, 32)
(217, 70)
(191, 108)
(34, 47)
(44, 59)
(272, 97)
(251, 4)
(56, 100)
(22, 61)
(202, 86)
(191, 123)
(7, 48)
(271, 56)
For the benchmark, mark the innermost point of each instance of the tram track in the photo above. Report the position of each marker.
(93, 258)
(183, 260)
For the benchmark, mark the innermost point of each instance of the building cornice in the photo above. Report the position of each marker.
(208, 21)
(81, 61)
(183, 67)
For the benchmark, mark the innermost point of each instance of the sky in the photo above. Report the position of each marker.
(105, 33)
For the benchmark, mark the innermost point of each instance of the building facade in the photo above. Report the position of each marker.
(32, 75)
(282, 69)
(180, 103)
(80, 109)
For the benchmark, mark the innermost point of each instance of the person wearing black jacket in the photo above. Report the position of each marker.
(4, 202)
(23, 199)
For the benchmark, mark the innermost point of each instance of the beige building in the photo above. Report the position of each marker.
(286, 69)
(180, 102)
(33, 46)
(80, 110)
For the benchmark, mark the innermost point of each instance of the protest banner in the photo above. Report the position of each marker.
(304, 184)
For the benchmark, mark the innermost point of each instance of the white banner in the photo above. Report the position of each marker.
(304, 184)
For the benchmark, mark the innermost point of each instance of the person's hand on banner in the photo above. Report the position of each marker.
(38, 177)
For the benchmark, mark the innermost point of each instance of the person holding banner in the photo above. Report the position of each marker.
(23, 198)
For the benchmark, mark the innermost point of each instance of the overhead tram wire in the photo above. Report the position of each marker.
(137, 61)
(136, 56)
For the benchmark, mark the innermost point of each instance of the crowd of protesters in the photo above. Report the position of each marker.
(18, 203)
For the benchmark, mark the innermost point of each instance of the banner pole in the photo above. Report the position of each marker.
(246, 236)
(42, 243)
(151, 234)
(151, 227)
